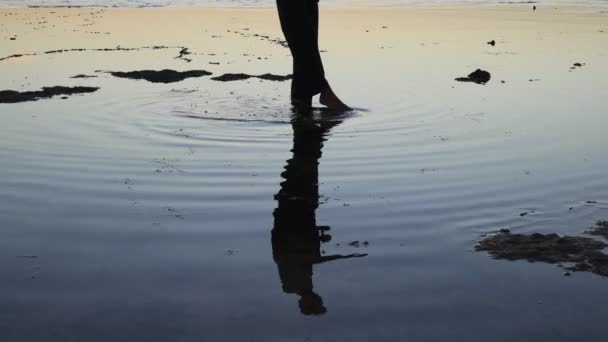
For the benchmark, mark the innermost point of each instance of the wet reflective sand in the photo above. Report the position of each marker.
(206, 210)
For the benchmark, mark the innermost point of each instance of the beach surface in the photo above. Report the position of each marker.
(138, 191)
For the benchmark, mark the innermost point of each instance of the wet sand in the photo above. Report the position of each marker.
(170, 205)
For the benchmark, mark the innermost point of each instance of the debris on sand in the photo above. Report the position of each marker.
(478, 76)
(577, 65)
(12, 96)
(162, 76)
(492, 42)
(184, 52)
(358, 244)
(83, 76)
(276, 41)
(600, 229)
(118, 48)
(241, 77)
(584, 254)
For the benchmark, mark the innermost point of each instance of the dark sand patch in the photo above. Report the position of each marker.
(271, 77)
(162, 76)
(231, 77)
(584, 254)
(241, 76)
(478, 76)
(12, 96)
(84, 76)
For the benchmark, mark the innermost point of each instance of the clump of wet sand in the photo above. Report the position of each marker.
(241, 77)
(600, 229)
(580, 253)
(160, 76)
(172, 76)
(478, 76)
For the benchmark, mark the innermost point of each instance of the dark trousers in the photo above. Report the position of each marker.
(300, 25)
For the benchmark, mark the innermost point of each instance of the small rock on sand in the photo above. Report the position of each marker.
(492, 42)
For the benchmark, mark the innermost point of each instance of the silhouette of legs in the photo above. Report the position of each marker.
(296, 243)
(296, 238)
(300, 25)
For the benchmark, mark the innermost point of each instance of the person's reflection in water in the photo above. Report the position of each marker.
(296, 238)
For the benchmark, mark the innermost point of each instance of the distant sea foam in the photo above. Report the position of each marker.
(164, 3)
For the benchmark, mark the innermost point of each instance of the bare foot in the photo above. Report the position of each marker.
(329, 99)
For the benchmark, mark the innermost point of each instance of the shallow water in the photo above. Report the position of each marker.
(144, 211)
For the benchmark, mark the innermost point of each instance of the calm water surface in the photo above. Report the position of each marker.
(191, 211)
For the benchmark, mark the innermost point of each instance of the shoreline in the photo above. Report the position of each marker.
(503, 8)
(598, 8)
